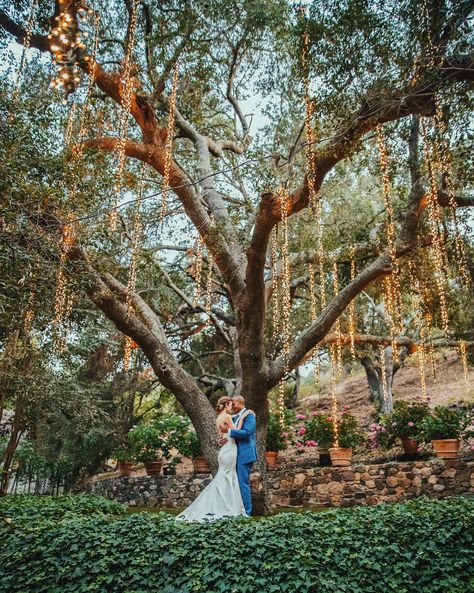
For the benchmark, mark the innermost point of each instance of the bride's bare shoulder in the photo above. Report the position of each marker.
(224, 420)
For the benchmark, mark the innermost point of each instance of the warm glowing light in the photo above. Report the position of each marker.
(320, 251)
(63, 301)
(351, 308)
(383, 372)
(169, 143)
(334, 403)
(126, 103)
(435, 225)
(312, 295)
(136, 239)
(335, 284)
(463, 353)
(197, 272)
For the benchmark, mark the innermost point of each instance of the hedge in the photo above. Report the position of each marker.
(79, 544)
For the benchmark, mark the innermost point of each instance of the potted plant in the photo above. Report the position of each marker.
(124, 457)
(349, 437)
(147, 445)
(277, 440)
(319, 430)
(189, 446)
(405, 423)
(443, 427)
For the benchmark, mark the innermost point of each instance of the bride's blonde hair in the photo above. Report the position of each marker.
(222, 402)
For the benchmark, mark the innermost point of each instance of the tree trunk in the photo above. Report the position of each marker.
(9, 453)
(374, 378)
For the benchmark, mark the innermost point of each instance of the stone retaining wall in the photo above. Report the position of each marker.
(312, 486)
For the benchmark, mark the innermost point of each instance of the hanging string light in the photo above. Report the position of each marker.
(285, 298)
(335, 281)
(431, 352)
(208, 300)
(67, 46)
(197, 272)
(169, 143)
(434, 221)
(418, 319)
(62, 301)
(334, 404)
(383, 372)
(127, 353)
(320, 251)
(392, 282)
(352, 308)
(26, 47)
(463, 354)
(446, 169)
(126, 103)
(312, 295)
(275, 301)
(308, 120)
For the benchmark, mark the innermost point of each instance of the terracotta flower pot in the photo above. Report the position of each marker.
(272, 458)
(341, 456)
(410, 446)
(201, 465)
(125, 468)
(446, 448)
(153, 468)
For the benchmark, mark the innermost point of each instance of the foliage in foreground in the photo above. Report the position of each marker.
(421, 546)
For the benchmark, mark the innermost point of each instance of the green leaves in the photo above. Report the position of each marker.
(84, 543)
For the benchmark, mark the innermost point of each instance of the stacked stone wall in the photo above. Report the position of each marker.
(311, 486)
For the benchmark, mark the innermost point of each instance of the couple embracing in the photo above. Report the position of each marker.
(228, 495)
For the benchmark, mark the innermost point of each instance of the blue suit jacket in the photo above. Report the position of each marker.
(246, 441)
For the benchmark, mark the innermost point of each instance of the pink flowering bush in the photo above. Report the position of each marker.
(405, 421)
(318, 430)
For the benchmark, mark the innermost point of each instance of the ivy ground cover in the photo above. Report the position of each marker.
(84, 543)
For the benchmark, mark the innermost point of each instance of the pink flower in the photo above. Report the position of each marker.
(329, 418)
(300, 417)
(346, 407)
(311, 444)
(314, 413)
(411, 424)
(298, 444)
(471, 447)
(302, 430)
(284, 435)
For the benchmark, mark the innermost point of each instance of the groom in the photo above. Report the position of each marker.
(246, 449)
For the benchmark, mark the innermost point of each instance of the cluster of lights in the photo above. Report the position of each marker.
(127, 353)
(126, 103)
(62, 301)
(383, 372)
(208, 299)
(285, 298)
(67, 45)
(352, 308)
(26, 47)
(392, 282)
(276, 319)
(320, 251)
(136, 239)
(335, 284)
(169, 143)
(312, 296)
(429, 319)
(334, 406)
(463, 353)
(417, 316)
(446, 169)
(434, 221)
(197, 272)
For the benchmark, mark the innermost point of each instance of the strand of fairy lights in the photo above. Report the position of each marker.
(62, 300)
(197, 271)
(276, 318)
(463, 354)
(434, 221)
(417, 316)
(431, 353)
(26, 47)
(285, 299)
(334, 402)
(208, 295)
(126, 103)
(320, 251)
(392, 281)
(308, 119)
(383, 372)
(352, 308)
(335, 284)
(313, 312)
(446, 169)
(169, 143)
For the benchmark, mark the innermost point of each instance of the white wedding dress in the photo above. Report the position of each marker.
(221, 498)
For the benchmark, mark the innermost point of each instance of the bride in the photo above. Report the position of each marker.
(221, 498)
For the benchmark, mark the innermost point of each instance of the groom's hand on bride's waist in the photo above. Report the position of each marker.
(222, 442)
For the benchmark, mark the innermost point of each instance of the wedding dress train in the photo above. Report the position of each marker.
(221, 498)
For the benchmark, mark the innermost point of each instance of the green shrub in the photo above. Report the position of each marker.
(445, 423)
(277, 437)
(423, 546)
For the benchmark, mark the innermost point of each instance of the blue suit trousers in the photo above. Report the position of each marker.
(243, 474)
